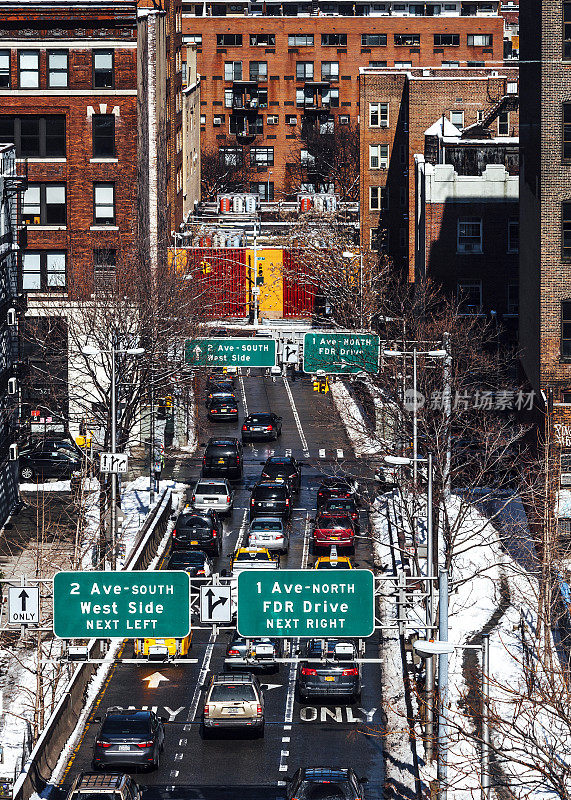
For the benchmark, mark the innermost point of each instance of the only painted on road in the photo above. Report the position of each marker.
(249, 352)
(306, 603)
(127, 605)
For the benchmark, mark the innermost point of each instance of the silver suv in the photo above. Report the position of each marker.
(212, 493)
(99, 786)
(233, 702)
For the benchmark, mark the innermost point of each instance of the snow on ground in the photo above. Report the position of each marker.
(350, 413)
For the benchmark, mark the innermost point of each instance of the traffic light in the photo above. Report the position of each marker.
(321, 385)
(206, 267)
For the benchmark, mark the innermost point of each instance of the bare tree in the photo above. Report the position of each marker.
(224, 172)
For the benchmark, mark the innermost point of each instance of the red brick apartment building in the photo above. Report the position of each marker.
(267, 70)
(397, 111)
(70, 75)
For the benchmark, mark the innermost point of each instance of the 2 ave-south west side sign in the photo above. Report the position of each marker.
(249, 352)
(121, 604)
(297, 603)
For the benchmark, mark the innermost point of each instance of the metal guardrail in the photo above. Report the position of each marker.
(37, 770)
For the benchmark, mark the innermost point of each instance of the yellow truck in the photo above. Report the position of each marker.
(163, 649)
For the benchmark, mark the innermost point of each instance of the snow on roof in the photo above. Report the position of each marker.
(449, 129)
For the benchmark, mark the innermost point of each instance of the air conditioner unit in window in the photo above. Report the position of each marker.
(217, 121)
(566, 479)
(11, 318)
(12, 385)
(272, 120)
(384, 123)
(13, 452)
(292, 121)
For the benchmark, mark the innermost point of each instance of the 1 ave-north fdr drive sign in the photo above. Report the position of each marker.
(249, 352)
(126, 605)
(295, 602)
(341, 353)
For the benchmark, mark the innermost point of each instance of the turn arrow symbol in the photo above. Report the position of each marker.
(212, 604)
(269, 686)
(154, 680)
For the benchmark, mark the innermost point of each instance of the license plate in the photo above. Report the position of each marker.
(194, 541)
(209, 500)
(124, 748)
(231, 710)
(329, 678)
(257, 429)
(269, 505)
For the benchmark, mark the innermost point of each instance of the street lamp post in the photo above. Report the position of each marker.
(113, 351)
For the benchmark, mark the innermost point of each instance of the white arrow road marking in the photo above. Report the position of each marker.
(173, 712)
(154, 680)
(271, 686)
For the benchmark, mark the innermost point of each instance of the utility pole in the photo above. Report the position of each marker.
(152, 443)
(442, 766)
(256, 288)
(113, 515)
(486, 777)
(429, 664)
(447, 401)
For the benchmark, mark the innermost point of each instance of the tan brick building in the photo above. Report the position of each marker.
(265, 73)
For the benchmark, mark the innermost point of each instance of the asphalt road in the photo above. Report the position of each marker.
(295, 734)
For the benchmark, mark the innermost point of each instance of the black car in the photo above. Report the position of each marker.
(223, 409)
(263, 425)
(215, 378)
(253, 653)
(283, 468)
(221, 387)
(195, 562)
(50, 460)
(334, 487)
(340, 506)
(324, 783)
(129, 737)
(338, 675)
(269, 498)
(223, 458)
(200, 530)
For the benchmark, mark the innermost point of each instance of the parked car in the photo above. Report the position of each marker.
(318, 783)
(269, 532)
(338, 675)
(212, 493)
(50, 461)
(100, 786)
(334, 487)
(233, 702)
(283, 468)
(223, 409)
(343, 505)
(129, 738)
(195, 562)
(198, 530)
(331, 529)
(223, 458)
(261, 425)
(270, 499)
(253, 653)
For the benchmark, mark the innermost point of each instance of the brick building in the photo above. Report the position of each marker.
(397, 112)
(266, 73)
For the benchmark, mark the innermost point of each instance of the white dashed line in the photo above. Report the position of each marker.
(297, 420)
(339, 453)
(178, 756)
(286, 739)
(174, 774)
(322, 453)
(243, 391)
(201, 677)
(287, 727)
(242, 531)
(183, 742)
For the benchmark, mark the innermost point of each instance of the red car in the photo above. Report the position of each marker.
(333, 529)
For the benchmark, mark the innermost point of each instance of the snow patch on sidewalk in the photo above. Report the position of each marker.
(356, 425)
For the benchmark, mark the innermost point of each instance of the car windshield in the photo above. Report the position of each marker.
(269, 493)
(253, 557)
(129, 726)
(229, 691)
(210, 488)
(277, 468)
(197, 522)
(89, 795)
(192, 557)
(263, 419)
(266, 525)
(334, 522)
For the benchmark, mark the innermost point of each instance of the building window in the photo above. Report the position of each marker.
(43, 271)
(378, 115)
(261, 189)
(566, 131)
(378, 198)
(329, 70)
(330, 97)
(513, 236)
(407, 39)
(262, 40)
(104, 204)
(233, 71)
(457, 118)
(344, 119)
(29, 69)
(403, 64)
(566, 329)
(373, 40)
(480, 39)
(513, 298)
(273, 119)
(103, 135)
(193, 38)
(291, 119)
(327, 126)
(262, 156)
(306, 158)
(103, 72)
(258, 70)
(57, 68)
(375, 239)
(378, 156)
(304, 70)
(44, 204)
(504, 123)
(231, 156)
(469, 235)
(203, 119)
(446, 39)
(566, 230)
(334, 40)
(300, 40)
(4, 69)
(377, 64)
(33, 136)
(228, 40)
(470, 296)
(450, 64)
(104, 267)
(567, 30)
(403, 196)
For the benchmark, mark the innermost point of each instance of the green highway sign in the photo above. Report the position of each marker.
(301, 602)
(250, 352)
(341, 353)
(125, 605)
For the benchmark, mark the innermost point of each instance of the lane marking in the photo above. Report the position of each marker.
(339, 453)
(183, 742)
(305, 553)
(322, 454)
(174, 774)
(178, 756)
(286, 739)
(242, 532)
(297, 420)
(288, 718)
(243, 390)
(287, 727)
(201, 678)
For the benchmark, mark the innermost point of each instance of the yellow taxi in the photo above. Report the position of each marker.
(163, 649)
(253, 558)
(333, 561)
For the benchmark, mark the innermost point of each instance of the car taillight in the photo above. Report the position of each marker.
(244, 428)
(227, 498)
(174, 534)
(214, 411)
(270, 428)
(259, 709)
(206, 710)
(214, 534)
(352, 671)
(233, 652)
(144, 744)
(279, 536)
(252, 502)
(287, 501)
(103, 744)
(200, 572)
(237, 461)
(204, 459)
(265, 475)
(193, 498)
(308, 671)
(354, 515)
